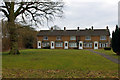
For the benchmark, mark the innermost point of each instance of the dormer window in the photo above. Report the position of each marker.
(88, 38)
(45, 38)
(72, 37)
(58, 38)
(102, 37)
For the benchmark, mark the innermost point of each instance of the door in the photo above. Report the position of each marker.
(95, 45)
(66, 45)
(81, 45)
(52, 45)
(39, 44)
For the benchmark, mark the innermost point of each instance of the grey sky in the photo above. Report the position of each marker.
(87, 13)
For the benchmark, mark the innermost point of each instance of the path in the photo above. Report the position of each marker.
(106, 56)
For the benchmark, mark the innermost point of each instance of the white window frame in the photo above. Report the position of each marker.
(59, 44)
(106, 44)
(45, 38)
(102, 45)
(102, 37)
(72, 44)
(86, 38)
(44, 44)
(72, 37)
(88, 45)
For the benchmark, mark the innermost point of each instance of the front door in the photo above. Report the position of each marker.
(52, 45)
(80, 45)
(66, 45)
(95, 45)
(39, 44)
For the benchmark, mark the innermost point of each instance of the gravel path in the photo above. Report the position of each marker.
(106, 56)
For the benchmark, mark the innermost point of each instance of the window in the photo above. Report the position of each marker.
(102, 37)
(45, 44)
(88, 38)
(102, 45)
(59, 44)
(45, 38)
(58, 38)
(91, 45)
(106, 45)
(88, 45)
(72, 37)
(72, 44)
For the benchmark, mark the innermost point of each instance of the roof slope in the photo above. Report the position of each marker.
(94, 32)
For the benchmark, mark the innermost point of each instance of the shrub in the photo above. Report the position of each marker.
(107, 48)
(47, 47)
(75, 48)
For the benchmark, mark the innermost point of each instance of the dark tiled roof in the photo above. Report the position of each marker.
(94, 32)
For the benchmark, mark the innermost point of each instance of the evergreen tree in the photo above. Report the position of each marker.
(116, 40)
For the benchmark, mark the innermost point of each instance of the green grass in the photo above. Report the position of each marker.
(47, 63)
(108, 52)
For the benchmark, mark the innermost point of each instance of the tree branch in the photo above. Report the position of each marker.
(36, 12)
(5, 12)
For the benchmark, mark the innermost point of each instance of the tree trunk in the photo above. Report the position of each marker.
(13, 31)
(13, 39)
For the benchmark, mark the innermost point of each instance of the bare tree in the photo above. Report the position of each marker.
(32, 13)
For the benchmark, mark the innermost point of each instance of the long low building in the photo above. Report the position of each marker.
(74, 39)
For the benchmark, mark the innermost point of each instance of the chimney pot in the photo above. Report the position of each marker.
(78, 28)
(64, 28)
(51, 28)
(107, 27)
(92, 27)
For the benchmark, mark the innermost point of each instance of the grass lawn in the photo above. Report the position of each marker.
(108, 52)
(58, 63)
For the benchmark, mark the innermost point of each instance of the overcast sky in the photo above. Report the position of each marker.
(87, 13)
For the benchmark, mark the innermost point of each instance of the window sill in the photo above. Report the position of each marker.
(87, 39)
(102, 39)
(58, 46)
(72, 46)
(72, 39)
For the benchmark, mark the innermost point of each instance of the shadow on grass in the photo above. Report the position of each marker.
(4, 53)
(115, 55)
